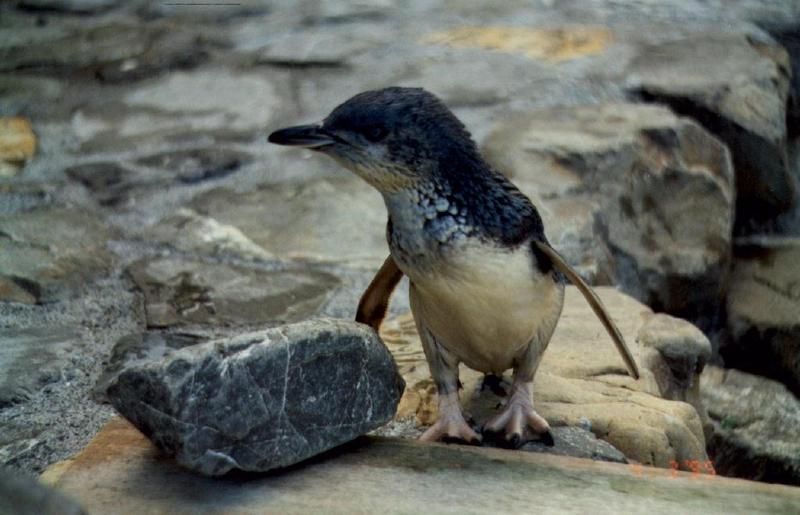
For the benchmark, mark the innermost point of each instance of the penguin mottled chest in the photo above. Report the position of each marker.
(485, 303)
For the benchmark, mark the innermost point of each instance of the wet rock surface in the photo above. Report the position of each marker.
(756, 425)
(262, 400)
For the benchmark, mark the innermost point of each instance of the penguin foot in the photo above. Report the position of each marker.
(518, 423)
(450, 426)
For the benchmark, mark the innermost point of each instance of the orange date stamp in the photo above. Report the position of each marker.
(697, 468)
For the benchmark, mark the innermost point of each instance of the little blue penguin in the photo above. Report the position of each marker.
(486, 288)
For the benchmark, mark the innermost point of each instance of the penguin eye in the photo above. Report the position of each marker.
(375, 133)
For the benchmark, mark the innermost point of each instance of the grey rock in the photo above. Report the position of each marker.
(736, 85)
(139, 349)
(578, 443)
(325, 46)
(50, 252)
(21, 494)
(68, 6)
(631, 194)
(262, 400)
(18, 198)
(338, 220)
(32, 358)
(108, 182)
(676, 352)
(114, 52)
(763, 307)
(190, 231)
(181, 292)
(197, 165)
(18, 439)
(756, 426)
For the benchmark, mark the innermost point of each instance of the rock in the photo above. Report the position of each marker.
(49, 252)
(189, 231)
(31, 358)
(178, 108)
(736, 85)
(18, 439)
(17, 144)
(550, 44)
(24, 495)
(764, 310)
(18, 198)
(262, 400)
(181, 292)
(199, 164)
(113, 52)
(120, 470)
(579, 443)
(138, 349)
(340, 220)
(68, 6)
(599, 175)
(581, 382)
(110, 183)
(326, 46)
(756, 426)
(679, 352)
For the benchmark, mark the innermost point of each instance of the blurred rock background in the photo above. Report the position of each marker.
(141, 205)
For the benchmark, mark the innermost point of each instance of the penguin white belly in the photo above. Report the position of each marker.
(485, 304)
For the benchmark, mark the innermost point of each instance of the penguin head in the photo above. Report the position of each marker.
(393, 138)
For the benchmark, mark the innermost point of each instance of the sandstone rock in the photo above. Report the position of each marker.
(31, 358)
(24, 495)
(181, 292)
(631, 194)
(339, 220)
(756, 426)
(581, 381)
(678, 352)
(121, 471)
(262, 400)
(47, 252)
(736, 85)
(17, 144)
(764, 310)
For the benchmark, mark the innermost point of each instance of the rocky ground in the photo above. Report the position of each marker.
(141, 208)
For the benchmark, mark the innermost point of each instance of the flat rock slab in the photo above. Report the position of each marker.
(262, 400)
(121, 472)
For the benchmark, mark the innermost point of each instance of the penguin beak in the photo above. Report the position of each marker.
(307, 136)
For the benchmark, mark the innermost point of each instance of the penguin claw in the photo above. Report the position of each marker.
(517, 425)
(451, 431)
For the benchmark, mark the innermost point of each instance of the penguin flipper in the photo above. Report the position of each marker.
(595, 303)
(375, 299)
